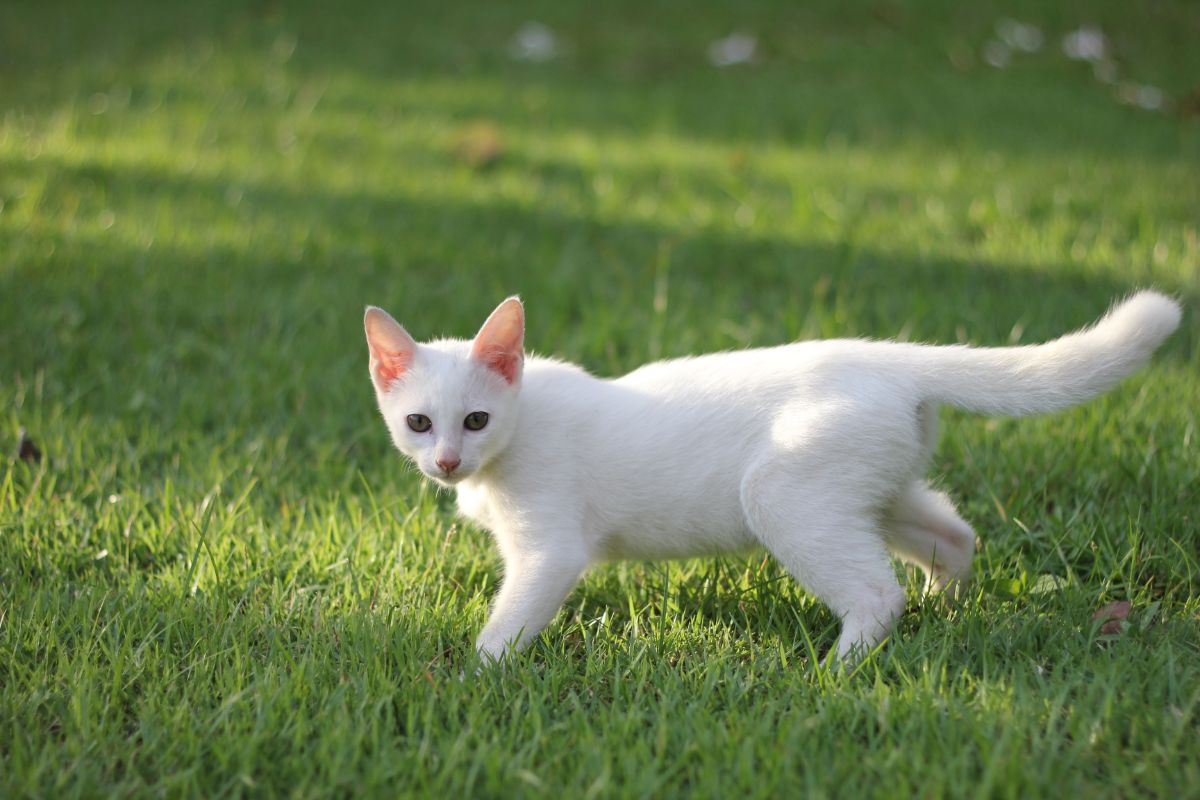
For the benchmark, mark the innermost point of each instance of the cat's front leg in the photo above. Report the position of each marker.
(535, 586)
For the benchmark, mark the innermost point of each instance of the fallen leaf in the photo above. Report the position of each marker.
(479, 144)
(889, 13)
(1189, 106)
(1047, 584)
(1112, 614)
(27, 451)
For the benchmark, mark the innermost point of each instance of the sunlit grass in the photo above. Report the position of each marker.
(220, 580)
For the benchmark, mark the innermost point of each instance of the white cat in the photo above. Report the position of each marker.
(814, 450)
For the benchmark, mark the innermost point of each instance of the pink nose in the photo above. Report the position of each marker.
(448, 463)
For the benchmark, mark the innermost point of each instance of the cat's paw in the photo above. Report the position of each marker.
(491, 653)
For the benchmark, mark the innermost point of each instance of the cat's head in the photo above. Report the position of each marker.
(450, 405)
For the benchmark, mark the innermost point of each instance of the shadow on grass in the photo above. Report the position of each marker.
(280, 309)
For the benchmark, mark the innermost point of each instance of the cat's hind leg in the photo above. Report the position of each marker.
(923, 528)
(811, 505)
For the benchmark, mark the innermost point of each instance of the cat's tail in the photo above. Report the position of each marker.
(1014, 381)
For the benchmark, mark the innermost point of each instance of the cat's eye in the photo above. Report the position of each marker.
(475, 421)
(419, 422)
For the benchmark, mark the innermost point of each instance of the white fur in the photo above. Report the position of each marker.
(814, 450)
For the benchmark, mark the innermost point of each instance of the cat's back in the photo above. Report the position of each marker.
(543, 375)
(555, 392)
(740, 371)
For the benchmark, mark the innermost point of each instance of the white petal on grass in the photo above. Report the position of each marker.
(1019, 36)
(1085, 44)
(1150, 98)
(1141, 95)
(737, 48)
(997, 54)
(534, 42)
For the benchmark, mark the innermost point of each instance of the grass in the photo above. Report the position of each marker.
(220, 580)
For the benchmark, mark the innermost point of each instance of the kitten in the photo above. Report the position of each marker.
(814, 450)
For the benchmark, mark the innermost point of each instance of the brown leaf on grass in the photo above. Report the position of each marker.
(890, 13)
(1189, 105)
(738, 160)
(27, 451)
(479, 144)
(1111, 614)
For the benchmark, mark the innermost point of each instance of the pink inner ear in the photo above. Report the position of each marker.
(507, 363)
(388, 366)
(499, 345)
(391, 348)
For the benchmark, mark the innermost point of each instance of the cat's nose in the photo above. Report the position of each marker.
(448, 463)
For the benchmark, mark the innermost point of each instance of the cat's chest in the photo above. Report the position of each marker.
(477, 504)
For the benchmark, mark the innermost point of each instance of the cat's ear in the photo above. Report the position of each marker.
(499, 345)
(391, 347)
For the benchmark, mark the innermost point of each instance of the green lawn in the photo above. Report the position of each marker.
(220, 579)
